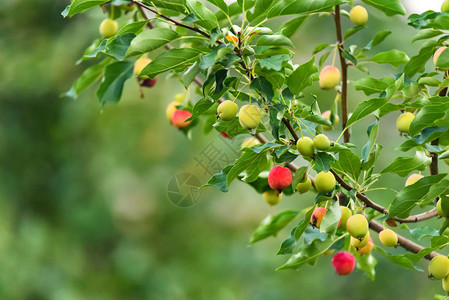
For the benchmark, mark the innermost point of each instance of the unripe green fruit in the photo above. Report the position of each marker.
(412, 179)
(304, 187)
(321, 142)
(365, 250)
(443, 207)
(359, 244)
(358, 15)
(139, 65)
(404, 121)
(327, 115)
(317, 216)
(249, 116)
(345, 214)
(305, 146)
(439, 267)
(108, 28)
(179, 98)
(329, 77)
(227, 110)
(249, 142)
(357, 226)
(272, 197)
(325, 182)
(445, 6)
(388, 237)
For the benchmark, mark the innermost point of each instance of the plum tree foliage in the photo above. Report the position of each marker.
(242, 80)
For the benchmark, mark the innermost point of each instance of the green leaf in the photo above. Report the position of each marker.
(200, 107)
(190, 74)
(173, 59)
(290, 27)
(370, 85)
(175, 5)
(78, 6)
(423, 231)
(150, 40)
(288, 244)
(367, 263)
(119, 45)
(292, 7)
(219, 180)
(388, 7)
(393, 57)
(275, 62)
(323, 161)
(365, 108)
(414, 194)
(302, 77)
(221, 5)
(378, 38)
(350, 163)
(417, 63)
(275, 40)
(433, 109)
(404, 165)
(352, 30)
(426, 34)
(304, 223)
(271, 225)
(331, 219)
(115, 75)
(207, 18)
(254, 163)
(264, 86)
(132, 27)
(443, 60)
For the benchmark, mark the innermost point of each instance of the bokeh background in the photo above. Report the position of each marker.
(84, 212)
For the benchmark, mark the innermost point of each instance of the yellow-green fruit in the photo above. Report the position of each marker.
(249, 142)
(445, 282)
(439, 267)
(412, 179)
(179, 98)
(445, 6)
(170, 109)
(249, 116)
(304, 187)
(329, 77)
(227, 110)
(325, 182)
(404, 121)
(345, 214)
(139, 65)
(357, 226)
(272, 197)
(327, 115)
(365, 250)
(388, 237)
(359, 244)
(321, 142)
(108, 28)
(305, 146)
(443, 207)
(358, 15)
(437, 54)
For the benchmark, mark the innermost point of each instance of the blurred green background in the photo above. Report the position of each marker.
(84, 212)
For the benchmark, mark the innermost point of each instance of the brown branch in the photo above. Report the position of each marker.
(344, 75)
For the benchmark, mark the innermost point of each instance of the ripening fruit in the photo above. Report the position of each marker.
(325, 182)
(317, 216)
(225, 135)
(321, 142)
(179, 98)
(108, 28)
(357, 226)
(249, 116)
(304, 187)
(343, 262)
(365, 250)
(272, 197)
(359, 244)
(305, 146)
(404, 121)
(249, 142)
(358, 15)
(329, 77)
(178, 118)
(439, 267)
(227, 110)
(139, 65)
(149, 82)
(388, 237)
(279, 178)
(170, 109)
(437, 54)
(412, 179)
(345, 214)
(445, 6)
(327, 115)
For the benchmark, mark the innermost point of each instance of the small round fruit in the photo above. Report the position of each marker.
(329, 77)
(227, 110)
(443, 207)
(108, 28)
(170, 109)
(439, 267)
(437, 54)
(304, 187)
(445, 6)
(279, 178)
(359, 244)
(412, 179)
(358, 15)
(149, 82)
(225, 135)
(139, 65)
(327, 115)
(404, 121)
(305, 146)
(445, 283)
(325, 182)
(179, 98)
(317, 216)
(321, 142)
(365, 250)
(249, 142)
(178, 118)
(343, 262)
(272, 197)
(249, 116)
(388, 238)
(357, 226)
(345, 214)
